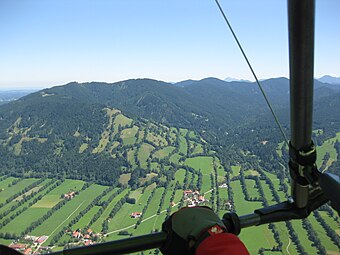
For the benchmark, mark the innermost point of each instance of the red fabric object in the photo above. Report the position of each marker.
(222, 244)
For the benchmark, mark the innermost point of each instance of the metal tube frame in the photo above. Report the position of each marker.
(301, 15)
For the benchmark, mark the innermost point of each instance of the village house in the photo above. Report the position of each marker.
(76, 234)
(224, 185)
(135, 215)
(187, 192)
(44, 248)
(193, 198)
(228, 205)
(28, 251)
(18, 246)
(88, 242)
(41, 239)
(30, 238)
(70, 195)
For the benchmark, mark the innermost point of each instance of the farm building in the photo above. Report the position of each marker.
(70, 195)
(41, 239)
(28, 251)
(135, 215)
(18, 246)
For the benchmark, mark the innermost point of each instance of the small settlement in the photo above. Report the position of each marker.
(83, 236)
(29, 244)
(86, 237)
(193, 198)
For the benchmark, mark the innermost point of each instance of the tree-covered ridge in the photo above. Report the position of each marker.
(65, 131)
(118, 145)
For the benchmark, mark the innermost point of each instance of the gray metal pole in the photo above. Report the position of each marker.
(301, 62)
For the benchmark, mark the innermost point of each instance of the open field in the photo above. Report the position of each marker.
(21, 201)
(203, 164)
(8, 191)
(236, 170)
(183, 145)
(144, 153)
(122, 121)
(297, 224)
(196, 147)
(327, 146)
(179, 176)
(97, 226)
(129, 135)
(163, 152)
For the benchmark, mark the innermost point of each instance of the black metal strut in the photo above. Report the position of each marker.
(301, 15)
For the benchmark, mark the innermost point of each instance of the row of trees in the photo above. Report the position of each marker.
(21, 192)
(24, 200)
(295, 238)
(161, 202)
(115, 209)
(330, 232)
(172, 197)
(313, 236)
(81, 214)
(50, 212)
(104, 205)
(139, 221)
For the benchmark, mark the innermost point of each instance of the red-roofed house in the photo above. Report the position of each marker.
(135, 215)
(76, 234)
(28, 251)
(201, 198)
(18, 246)
(187, 192)
(88, 242)
(41, 239)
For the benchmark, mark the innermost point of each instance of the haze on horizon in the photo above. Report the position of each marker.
(47, 43)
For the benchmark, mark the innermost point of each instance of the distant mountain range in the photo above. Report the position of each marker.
(325, 79)
(230, 79)
(330, 79)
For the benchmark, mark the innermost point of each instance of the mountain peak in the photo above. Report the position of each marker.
(230, 79)
(330, 79)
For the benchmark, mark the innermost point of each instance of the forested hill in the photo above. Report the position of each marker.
(190, 104)
(71, 131)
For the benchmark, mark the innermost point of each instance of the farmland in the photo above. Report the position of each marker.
(168, 168)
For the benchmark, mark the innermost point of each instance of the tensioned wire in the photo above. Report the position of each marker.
(252, 70)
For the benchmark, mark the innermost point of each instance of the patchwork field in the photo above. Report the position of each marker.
(177, 170)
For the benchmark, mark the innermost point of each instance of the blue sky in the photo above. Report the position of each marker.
(45, 42)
